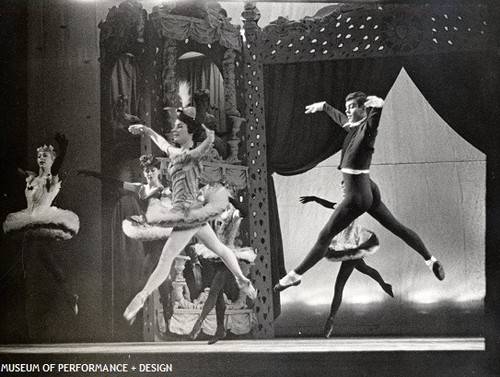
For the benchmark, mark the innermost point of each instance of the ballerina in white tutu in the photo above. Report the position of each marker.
(41, 223)
(191, 209)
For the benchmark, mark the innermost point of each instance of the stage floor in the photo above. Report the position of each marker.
(356, 357)
(283, 345)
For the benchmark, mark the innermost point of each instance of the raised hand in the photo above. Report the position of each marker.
(208, 131)
(61, 140)
(318, 106)
(137, 129)
(374, 101)
(307, 199)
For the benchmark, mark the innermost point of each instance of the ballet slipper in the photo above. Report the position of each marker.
(195, 331)
(248, 289)
(220, 334)
(279, 287)
(135, 305)
(438, 270)
(388, 289)
(328, 327)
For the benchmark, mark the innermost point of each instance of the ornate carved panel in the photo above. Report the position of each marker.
(255, 141)
(378, 31)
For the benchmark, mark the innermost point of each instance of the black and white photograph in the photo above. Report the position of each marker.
(250, 188)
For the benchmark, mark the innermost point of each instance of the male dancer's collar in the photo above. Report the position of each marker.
(354, 124)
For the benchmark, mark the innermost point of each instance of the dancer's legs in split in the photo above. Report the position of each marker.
(208, 237)
(357, 200)
(362, 267)
(345, 272)
(381, 213)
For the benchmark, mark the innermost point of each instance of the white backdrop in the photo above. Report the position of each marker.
(434, 182)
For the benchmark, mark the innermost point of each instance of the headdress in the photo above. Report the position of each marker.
(148, 160)
(46, 148)
(186, 113)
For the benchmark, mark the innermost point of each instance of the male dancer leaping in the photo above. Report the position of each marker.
(361, 193)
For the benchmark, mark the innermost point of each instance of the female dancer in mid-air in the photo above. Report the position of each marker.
(349, 247)
(190, 211)
(361, 193)
(41, 223)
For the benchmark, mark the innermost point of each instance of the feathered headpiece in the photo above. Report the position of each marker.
(187, 114)
(46, 148)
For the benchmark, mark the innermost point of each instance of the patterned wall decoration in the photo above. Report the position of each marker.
(378, 31)
(255, 141)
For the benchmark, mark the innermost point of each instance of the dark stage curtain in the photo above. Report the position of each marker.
(463, 88)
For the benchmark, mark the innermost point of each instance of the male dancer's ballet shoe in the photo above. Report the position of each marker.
(328, 327)
(438, 270)
(195, 331)
(279, 287)
(248, 289)
(133, 308)
(388, 289)
(220, 334)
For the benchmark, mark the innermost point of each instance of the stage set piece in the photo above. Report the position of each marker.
(450, 52)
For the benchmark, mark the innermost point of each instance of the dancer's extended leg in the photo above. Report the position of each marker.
(382, 214)
(357, 200)
(213, 296)
(174, 245)
(345, 271)
(208, 237)
(220, 313)
(362, 267)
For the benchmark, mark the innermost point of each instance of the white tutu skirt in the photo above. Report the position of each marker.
(50, 222)
(144, 231)
(212, 201)
(367, 244)
(246, 254)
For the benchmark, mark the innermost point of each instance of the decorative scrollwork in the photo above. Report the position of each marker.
(282, 26)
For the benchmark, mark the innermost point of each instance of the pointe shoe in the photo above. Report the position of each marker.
(248, 289)
(220, 334)
(388, 289)
(438, 270)
(135, 305)
(328, 327)
(279, 287)
(195, 331)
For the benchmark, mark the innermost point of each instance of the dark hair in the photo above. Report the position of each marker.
(193, 126)
(359, 97)
(148, 161)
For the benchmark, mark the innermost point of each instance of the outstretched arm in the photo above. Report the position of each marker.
(337, 116)
(62, 142)
(163, 144)
(129, 186)
(323, 202)
(204, 147)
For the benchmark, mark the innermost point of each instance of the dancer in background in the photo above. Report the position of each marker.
(362, 194)
(349, 247)
(152, 237)
(190, 212)
(41, 223)
(226, 228)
